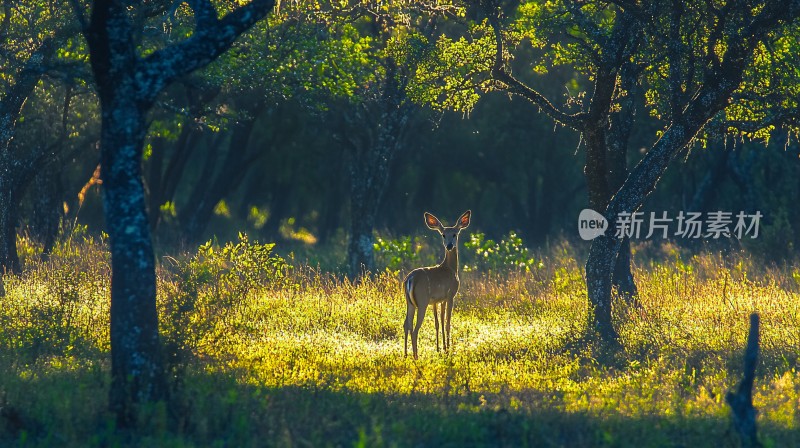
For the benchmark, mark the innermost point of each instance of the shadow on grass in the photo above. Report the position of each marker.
(68, 408)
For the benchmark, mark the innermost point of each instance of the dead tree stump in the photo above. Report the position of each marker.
(743, 413)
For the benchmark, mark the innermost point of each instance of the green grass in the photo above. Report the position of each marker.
(313, 360)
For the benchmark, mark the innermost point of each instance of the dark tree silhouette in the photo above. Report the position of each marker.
(17, 169)
(723, 75)
(743, 413)
(382, 122)
(706, 66)
(127, 85)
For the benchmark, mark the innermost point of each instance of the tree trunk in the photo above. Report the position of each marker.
(368, 178)
(13, 183)
(9, 207)
(711, 98)
(183, 151)
(622, 277)
(361, 257)
(13, 170)
(369, 175)
(165, 173)
(596, 169)
(9, 259)
(330, 215)
(137, 367)
(599, 268)
(603, 251)
(46, 214)
(377, 131)
(127, 86)
(330, 218)
(617, 141)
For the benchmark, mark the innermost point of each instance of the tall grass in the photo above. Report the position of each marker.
(264, 354)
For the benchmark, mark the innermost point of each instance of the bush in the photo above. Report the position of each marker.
(58, 307)
(507, 254)
(397, 254)
(203, 293)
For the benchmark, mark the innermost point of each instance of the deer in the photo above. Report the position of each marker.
(434, 285)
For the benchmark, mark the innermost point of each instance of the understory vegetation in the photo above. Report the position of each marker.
(263, 350)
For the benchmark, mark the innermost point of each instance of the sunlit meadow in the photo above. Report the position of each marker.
(268, 351)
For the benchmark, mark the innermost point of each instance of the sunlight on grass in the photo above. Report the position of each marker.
(298, 356)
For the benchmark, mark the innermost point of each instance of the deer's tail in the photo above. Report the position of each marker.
(408, 286)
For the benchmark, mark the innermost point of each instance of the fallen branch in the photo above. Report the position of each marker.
(741, 401)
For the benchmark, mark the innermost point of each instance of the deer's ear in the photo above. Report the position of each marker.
(432, 221)
(463, 221)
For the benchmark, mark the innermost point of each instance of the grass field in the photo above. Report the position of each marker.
(290, 356)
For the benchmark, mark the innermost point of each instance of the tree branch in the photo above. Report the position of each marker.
(78, 8)
(12, 101)
(514, 86)
(629, 6)
(587, 25)
(713, 96)
(777, 119)
(4, 26)
(674, 52)
(774, 12)
(205, 15)
(211, 38)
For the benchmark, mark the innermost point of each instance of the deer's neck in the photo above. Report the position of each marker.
(450, 260)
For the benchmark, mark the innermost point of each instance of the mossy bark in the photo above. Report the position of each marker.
(127, 86)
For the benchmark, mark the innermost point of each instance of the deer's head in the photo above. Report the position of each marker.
(449, 234)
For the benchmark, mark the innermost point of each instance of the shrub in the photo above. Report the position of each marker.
(507, 254)
(397, 254)
(203, 293)
(58, 307)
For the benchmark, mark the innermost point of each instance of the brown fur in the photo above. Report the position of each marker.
(434, 285)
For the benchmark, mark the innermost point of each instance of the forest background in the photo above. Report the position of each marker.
(146, 149)
(270, 139)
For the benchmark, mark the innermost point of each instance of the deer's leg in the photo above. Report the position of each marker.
(436, 325)
(408, 325)
(444, 337)
(449, 314)
(415, 333)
